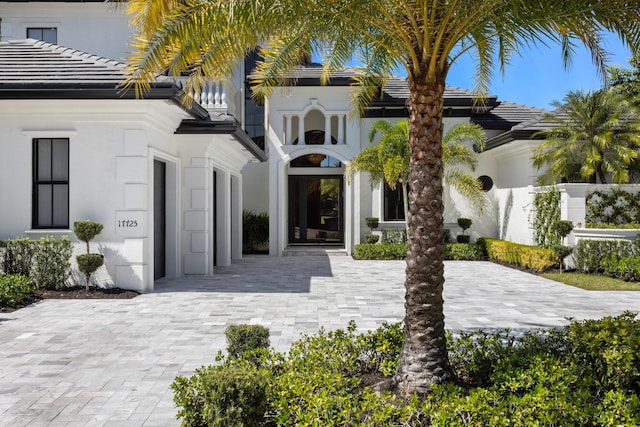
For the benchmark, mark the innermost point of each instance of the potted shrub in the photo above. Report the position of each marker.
(464, 223)
(88, 263)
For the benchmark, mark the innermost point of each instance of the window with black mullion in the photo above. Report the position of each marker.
(50, 183)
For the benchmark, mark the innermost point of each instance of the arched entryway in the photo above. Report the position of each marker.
(316, 200)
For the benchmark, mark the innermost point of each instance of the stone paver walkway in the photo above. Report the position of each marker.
(110, 362)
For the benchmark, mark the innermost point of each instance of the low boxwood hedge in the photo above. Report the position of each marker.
(452, 251)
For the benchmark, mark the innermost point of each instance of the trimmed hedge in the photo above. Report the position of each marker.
(45, 260)
(390, 251)
(529, 257)
(592, 254)
(380, 251)
(464, 252)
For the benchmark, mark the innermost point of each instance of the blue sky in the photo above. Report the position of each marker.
(537, 77)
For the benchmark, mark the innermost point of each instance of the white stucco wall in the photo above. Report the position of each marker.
(515, 179)
(98, 28)
(111, 149)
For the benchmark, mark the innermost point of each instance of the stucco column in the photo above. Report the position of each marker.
(301, 130)
(341, 129)
(327, 129)
(287, 136)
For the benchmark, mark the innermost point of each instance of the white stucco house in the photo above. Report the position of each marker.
(170, 182)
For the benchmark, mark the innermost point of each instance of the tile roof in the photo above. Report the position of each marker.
(34, 62)
(506, 115)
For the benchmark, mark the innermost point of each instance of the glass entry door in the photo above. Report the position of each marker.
(316, 209)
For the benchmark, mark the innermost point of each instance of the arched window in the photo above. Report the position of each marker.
(315, 160)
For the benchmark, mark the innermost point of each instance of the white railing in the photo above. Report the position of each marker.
(216, 97)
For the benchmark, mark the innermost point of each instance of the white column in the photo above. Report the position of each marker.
(236, 217)
(301, 130)
(341, 129)
(287, 136)
(327, 129)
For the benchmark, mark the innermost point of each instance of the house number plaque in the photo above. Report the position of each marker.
(131, 223)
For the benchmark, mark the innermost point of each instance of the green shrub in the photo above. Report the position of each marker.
(629, 226)
(88, 264)
(394, 235)
(255, 231)
(86, 231)
(371, 239)
(583, 374)
(17, 256)
(628, 269)
(464, 251)
(446, 236)
(380, 349)
(530, 257)
(463, 238)
(609, 350)
(15, 289)
(380, 251)
(590, 254)
(51, 266)
(242, 338)
(231, 395)
(464, 223)
(563, 228)
(372, 222)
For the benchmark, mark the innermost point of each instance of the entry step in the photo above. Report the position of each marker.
(314, 251)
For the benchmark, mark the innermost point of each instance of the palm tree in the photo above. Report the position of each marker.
(389, 160)
(597, 133)
(425, 37)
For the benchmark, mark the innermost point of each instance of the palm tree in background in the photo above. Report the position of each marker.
(596, 134)
(389, 160)
(209, 38)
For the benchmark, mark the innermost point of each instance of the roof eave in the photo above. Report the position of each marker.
(507, 137)
(166, 91)
(226, 127)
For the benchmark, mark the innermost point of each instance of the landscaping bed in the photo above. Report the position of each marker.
(76, 292)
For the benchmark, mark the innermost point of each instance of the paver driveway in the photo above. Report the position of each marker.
(110, 362)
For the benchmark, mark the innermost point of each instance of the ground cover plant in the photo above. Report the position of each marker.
(586, 373)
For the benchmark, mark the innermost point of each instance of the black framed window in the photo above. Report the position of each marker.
(49, 35)
(253, 112)
(393, 203)
(50, 183)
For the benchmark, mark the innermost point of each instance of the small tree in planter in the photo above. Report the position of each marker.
(88, 263)
(562, 229)
(464, 223)
(372, 222)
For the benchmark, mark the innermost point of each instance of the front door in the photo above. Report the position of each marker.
(159, 219)
(316, 209)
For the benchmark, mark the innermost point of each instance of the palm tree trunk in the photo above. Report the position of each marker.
(424, 359)
(405, 204)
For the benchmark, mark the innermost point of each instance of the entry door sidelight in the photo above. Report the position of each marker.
(159, 219)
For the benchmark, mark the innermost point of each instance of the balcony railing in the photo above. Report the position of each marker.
(216, 97)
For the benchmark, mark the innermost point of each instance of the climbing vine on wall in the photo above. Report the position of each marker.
(547, 206)
(614, 207)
